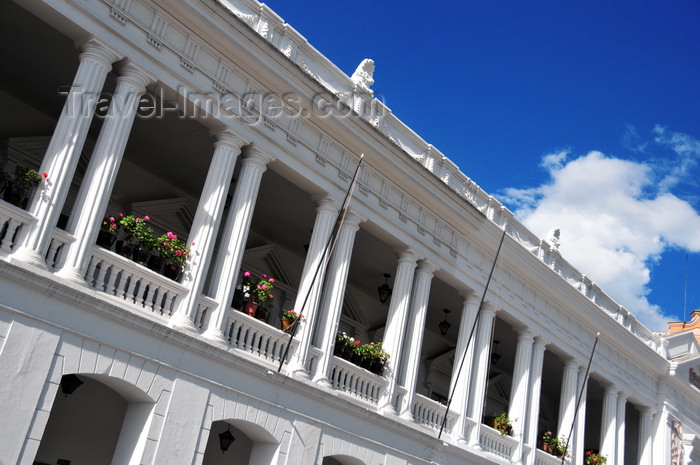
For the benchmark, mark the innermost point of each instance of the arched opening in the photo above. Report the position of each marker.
(341, 460)
(252, 444)
(102, 421)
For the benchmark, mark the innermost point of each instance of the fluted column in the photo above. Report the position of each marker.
(567, 402)
(645, 436)
(234, 237)
(519, 388)
(608, 423)
(533, 414)
(415, 331)
(477, 388)
(333, 294)
(661, 447)
(205, 225)
(462, 366)
(64, 149)
(621, 424)
(578, 435)
(312, 278)
(396, 323)
(102, 169)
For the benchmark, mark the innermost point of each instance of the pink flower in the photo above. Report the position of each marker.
(264, 276)
(146, 217)
(171, 235)
(121, 214)
(178, 253)
(111, 218)
(247, 274)
(271, 280)
(264, 286)
(192, 242)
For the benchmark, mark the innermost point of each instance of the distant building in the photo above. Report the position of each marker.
(224, 126)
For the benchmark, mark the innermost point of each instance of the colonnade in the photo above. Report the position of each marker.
(407, 312)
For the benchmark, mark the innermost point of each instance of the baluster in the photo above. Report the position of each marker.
(111, 283)
(51, 253)
(12, 226)
(124, 282)
(131, 291)
(100, 279)
(90, 274)
(150, 297)
(157, 299)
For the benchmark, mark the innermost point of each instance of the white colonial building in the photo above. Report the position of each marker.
(225, 126)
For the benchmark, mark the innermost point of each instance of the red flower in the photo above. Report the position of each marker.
(45, 175)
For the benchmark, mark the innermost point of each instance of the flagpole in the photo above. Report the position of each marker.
(580, 396)
(471, 335)
(325, 258)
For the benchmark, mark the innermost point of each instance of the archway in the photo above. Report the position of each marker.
(341, 460)
(101, 422)
(252, 445)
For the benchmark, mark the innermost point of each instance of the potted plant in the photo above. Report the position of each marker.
(594, 458)
(108, 232)
(502, 423)
(288, 319)
(174, 254)
(256, 292)
(19, 187)
(549, 442)
(344, 345)
(378, 358)
(135, 231)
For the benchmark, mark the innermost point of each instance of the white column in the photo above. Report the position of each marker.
(533, 414)
(567, 402)
(645, 435)
(64, 149)
(333, 294)
(415, 330)
(477, 388)
(661, 447)
(102, 169)
(519, 388)
(205, 225)
(608, 423)
(312, 278)
(621, 411)
(462, 366)
(234, 237)
(396, 324)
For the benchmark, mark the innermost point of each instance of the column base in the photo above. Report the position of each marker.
(407, 415)
(30, 257)
(323, 381)
(71, 274)
(214, 336)
(180, 321)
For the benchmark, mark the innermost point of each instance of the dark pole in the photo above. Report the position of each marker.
(325, 257)
(471, 334)
(580, 396)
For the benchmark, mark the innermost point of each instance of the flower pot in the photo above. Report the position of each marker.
(262, 313)
(105, 239)
(141, 255)
(17, 196)
(155, 263)
(366, 363)
(377, 368)
(286, 324)
(338, 349)
(172, 270)
(249, 308)
(124, 248)
(347, 353)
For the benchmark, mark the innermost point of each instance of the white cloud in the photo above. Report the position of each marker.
(616, 217)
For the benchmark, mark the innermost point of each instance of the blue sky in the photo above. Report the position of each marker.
(579, 115)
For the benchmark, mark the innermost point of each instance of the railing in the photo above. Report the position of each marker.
(431, 413)
(543, 458)
(356, 381)
(493, 442)
(12, 220)
(127, 280)
(257, 337)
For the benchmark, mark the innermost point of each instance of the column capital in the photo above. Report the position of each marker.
(571, 364)
(353, 220)
(408, 256)
(426, 267)
(526, 335)
(254, 154)
(489, 309)
(611, 390)
(540, 341)
(137, 75)
(326, 201)
(95, 48)
(470, 297)
(226, 137)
